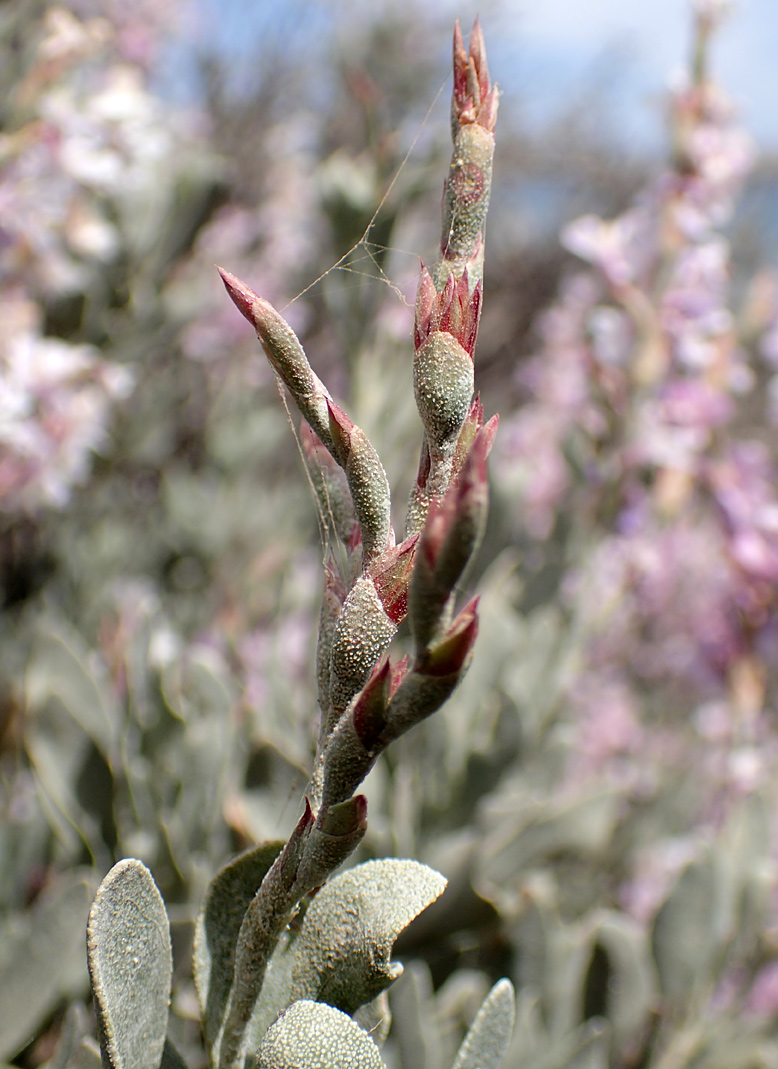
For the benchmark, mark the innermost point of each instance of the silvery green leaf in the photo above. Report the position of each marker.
(41, 960)
(343, 951)
(631, 984)
(275, 995)
(217, 927)
(315, 1036)
(74, 1029)
(130, 963)
(59, 667)
(86, 1055)
(171, 1057)
(415, 1027)
(684, 936)
(198, 694)
(72, 717)
(487, 1040)
(375, 1018)
(527, 831)
(590, 1048)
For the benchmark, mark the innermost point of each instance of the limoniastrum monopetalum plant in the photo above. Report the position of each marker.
(291, 962)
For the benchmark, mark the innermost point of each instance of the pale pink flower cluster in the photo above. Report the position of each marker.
(73, 173)
(83, 175)
(630, 463)
(55, 403)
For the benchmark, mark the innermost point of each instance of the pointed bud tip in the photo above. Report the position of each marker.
(489, 432)
(452, 654)
(243, 297)
(360, 808)
(307, 819)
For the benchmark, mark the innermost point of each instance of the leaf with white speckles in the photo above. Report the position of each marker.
(128, 947)
(310, 1035)
(485, 1044)
(343, 951)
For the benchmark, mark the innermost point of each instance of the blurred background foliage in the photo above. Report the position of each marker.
(603, 799)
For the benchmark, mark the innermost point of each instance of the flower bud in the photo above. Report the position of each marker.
(362, 634)
(452, 655)
(434, 676)
(451, 534)
(331, 485)
(337, 832)
(474, 99)
(443, 386)
(285, 353)
(391, 576)
(454, 310)
(356, 741)
(367, 482)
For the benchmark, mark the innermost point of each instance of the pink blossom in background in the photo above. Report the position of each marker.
(55, 402)
(763, 996)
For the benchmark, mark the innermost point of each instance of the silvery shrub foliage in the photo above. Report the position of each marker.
(567, 833)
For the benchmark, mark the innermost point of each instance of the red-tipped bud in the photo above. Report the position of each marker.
(347, 818)
(342, 430)
(306, 821)
(490, 432)
(474, 99)
(398, 674)
(284, 351)
(455, 522)
(455, 310)
(450, 656)
(367, 482)
(243, 297)
(426, 295)
(391, 576)
(448, 540)
(435, 529)
(473, 424)
(370, 706)
(472, 480)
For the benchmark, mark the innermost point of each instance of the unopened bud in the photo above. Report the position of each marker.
(285, 353)
(337, 833)
(369, 707)
(474, 99)
(367, 482)
(451, 656)
(434, 676)
(454, 310)
(443, 386)
(356, 741)
(450, 536)
(331, 484)
(362, 634)
(473, 115)
(391, 576)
